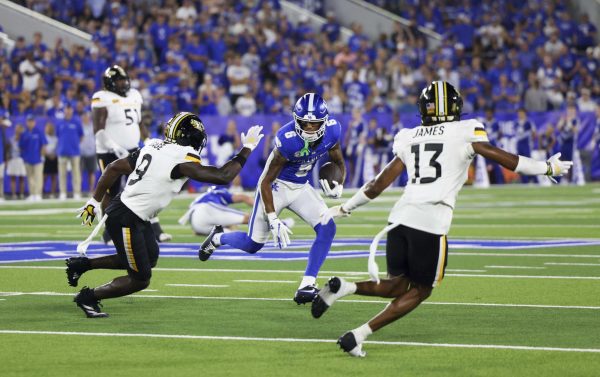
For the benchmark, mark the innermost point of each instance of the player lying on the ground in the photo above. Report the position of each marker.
(284, 184)
(156, 174)
(211, 209)
(437, 155)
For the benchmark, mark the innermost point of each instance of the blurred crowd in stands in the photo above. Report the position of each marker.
(233, 57)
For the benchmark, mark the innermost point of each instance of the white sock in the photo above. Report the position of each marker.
(347, 288)
(307, 280)
(361, 333)
(217, 239)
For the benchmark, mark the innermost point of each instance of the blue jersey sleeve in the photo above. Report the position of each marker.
(226, 196)
(334, 131)
(284, 142)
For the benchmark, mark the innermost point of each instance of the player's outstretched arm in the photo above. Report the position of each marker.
(227, 172)
(369, 191)
(553, 167)
(211, 174)
(242, 198)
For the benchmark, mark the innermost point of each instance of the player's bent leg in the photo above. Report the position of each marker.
(211, 243)
(334, 289)
(401, 306)
(89, 303)
(242, 241)
(351, 341)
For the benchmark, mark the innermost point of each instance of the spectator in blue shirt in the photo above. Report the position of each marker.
(160, 32)
(32, 144)
(4, 122)
(70, 133)
(331, 28)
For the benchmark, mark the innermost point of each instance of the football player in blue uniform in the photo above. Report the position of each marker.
(212, 208)
(311, 136)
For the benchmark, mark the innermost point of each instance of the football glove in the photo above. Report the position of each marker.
(251, 139)
(281, 233)
(556, 167)
(89, 211)
(332, 192)
(333, 213)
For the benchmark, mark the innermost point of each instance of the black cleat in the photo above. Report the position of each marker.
(319, 306)
(90, 305)
(208, 246)
(76, 266)
(347, 343)
(306, 294)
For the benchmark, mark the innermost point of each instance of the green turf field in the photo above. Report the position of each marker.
(499, 312)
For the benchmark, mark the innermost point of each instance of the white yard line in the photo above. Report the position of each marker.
(267, 281)
(199, 285)
(233, 298)
(328, 272)
(517, 267)
(301, 340)
(459, 270)
(572, 264)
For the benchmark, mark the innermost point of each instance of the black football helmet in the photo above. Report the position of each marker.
(439, 102)
(116, 80)
(186, 129)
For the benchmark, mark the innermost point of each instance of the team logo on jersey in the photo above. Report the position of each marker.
(275, 186)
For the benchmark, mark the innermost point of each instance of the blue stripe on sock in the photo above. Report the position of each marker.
(254, 210)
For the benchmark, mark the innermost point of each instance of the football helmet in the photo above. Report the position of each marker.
(439, 102)
(310, 110)
(186, 129)
(116, 80)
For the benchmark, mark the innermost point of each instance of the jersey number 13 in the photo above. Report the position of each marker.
(436, 148)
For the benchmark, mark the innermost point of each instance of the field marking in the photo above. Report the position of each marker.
(266, 281)
(362, 273)
(302, 340)
(518, 267)
(199, 285)
(459, 270)
(572, 264)
(234, 298)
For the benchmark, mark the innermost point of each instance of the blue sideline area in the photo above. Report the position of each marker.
(353, 248)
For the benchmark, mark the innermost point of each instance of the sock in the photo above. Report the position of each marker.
(217, 239)
(320, 248)
(240, 240)
(307, 280)
(347, 288)
(361, 333)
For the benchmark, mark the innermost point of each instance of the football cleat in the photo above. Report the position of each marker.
(326, 297)
(306, 294)
(76, 266)
(89, 304)
(348, 344)
(208, 246)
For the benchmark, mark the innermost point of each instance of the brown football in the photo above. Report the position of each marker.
(330, 172)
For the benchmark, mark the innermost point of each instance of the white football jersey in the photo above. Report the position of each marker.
(123, 119)
(150, 187)
(437, 160)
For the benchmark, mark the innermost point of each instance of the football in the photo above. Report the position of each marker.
(330, 172)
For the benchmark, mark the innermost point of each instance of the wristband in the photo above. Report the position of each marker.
(529, 166)
(359, 199)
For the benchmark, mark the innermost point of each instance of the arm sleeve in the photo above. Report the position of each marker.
(282, 148)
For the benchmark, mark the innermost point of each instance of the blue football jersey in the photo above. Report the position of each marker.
(219, 196)
(301, 158)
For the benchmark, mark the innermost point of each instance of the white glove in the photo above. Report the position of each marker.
(335, 192)
(281, 233)
(333, 213)
(557, 168)
(89, 211)
(252, 138)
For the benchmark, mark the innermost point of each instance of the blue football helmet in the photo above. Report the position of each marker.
(310, 109)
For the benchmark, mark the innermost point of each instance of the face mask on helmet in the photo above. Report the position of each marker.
(310, 117)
